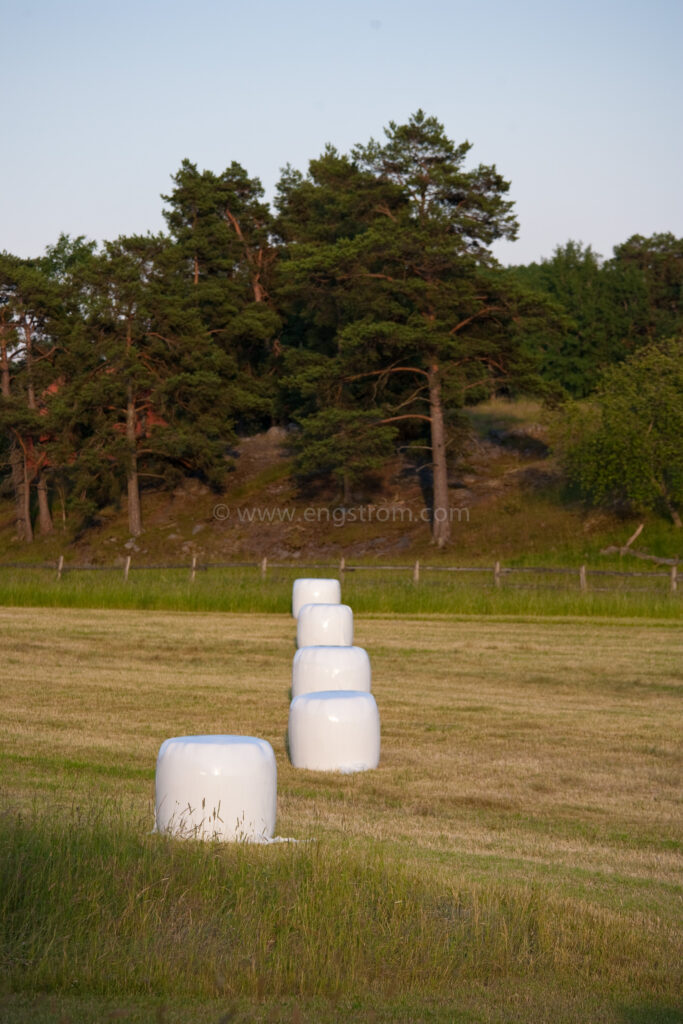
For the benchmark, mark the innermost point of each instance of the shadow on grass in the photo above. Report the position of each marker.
(649, 1013)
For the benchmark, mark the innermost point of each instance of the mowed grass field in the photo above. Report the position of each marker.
(515, 857)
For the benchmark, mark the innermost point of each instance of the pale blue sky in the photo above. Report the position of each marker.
(577, 102)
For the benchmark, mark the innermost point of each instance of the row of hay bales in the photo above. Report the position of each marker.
(225, 786)
(333, 717)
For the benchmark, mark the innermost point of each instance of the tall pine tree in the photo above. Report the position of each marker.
(401, 288)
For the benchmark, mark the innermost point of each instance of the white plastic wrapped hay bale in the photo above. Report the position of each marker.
(324, 625)
(330, 668)
(313, 591)
(216, 787)
(334, 731)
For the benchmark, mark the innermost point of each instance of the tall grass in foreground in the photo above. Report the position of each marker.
(243, 590)
(96, 903)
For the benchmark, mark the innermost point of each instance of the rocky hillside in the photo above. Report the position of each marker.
(505, 503)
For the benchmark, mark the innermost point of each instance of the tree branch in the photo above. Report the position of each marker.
(155, 334)
(411, 398)
(386, 371)
(475, 316)
(407, 416)
(383, 208)
(613, 550)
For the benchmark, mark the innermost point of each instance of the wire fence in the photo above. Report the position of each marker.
(583, 578)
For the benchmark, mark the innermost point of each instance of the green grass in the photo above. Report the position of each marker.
(241, 589)
(91, 905)
(84, 896)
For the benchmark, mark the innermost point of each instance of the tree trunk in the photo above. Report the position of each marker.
(22, 493)
(61, 492)
(31, 402)
(673, 512)
(22, 511)
(254, 259)
(4, 369)
(20, 485)
(347, 496)
(134, 512)
(44, 518)
(441, 527)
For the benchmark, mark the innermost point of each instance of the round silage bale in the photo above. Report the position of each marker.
(319, 668)
(334, 731)
(314, 591)
(324, 625)
(216, 787)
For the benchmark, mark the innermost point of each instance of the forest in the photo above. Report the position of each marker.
(363, 310)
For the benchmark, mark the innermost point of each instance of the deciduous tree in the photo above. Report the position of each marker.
(625, 450)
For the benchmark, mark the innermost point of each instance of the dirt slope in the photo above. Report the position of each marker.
(504, 499)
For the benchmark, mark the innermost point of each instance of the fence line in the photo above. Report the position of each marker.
(497, 573)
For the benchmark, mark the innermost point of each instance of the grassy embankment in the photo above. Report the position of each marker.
(516, 856)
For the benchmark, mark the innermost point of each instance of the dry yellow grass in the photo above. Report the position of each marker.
(530, 773)
(543, 749)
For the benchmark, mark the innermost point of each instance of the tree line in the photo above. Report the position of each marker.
(365, 306)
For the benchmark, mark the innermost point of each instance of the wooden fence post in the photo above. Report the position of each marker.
(496, 574)
(60, 566)
(342, 566)
(126, 569)
(416, 572)
(583, 583)
(193, 572)
(674, 579)
(264, 567)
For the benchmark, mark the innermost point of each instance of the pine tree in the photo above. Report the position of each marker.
(222, 228)
(31, 321)
(399, 286)
(144, 393)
